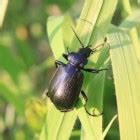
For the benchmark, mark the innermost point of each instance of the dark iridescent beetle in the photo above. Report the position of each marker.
(66, 83)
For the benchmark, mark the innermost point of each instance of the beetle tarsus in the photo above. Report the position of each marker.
(101, 70)
(86, 99)
(46, 93)
(93, 70)
(94, 115)
(84, 96)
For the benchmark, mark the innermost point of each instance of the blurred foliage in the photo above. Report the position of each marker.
(26, 65)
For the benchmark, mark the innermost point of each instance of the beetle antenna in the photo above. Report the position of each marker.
(95, 49)
(77, 36)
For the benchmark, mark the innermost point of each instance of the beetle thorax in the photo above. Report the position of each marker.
(79, 58)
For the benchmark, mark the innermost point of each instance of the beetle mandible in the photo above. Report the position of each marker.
(66, 83)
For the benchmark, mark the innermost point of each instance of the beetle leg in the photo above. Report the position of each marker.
(86, 99)
(46, 93)
(57, 62)
(93, 70)
(95, 48)
(65, 56)
(84, 96)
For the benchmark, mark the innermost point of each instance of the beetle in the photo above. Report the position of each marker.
(66, 83)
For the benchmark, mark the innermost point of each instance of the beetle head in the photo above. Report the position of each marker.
(85, 52)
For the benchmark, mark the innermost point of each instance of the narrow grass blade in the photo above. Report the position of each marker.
(109, 126)
(95, 94)
(131, 21)
(128, 25)
(3, 7)
(133, 32)
(43, 135)
(87, 22)
(54, 30)
(85, 121)
(59, 125)
(103, 21)
(127, 78)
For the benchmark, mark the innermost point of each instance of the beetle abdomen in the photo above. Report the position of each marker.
(65, 87)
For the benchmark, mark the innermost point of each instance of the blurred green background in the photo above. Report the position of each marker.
(27, 63)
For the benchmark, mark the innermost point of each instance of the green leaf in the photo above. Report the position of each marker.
(9, 63)
(126, 79)
(25, 53)
(12, 98)
(86, 23)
